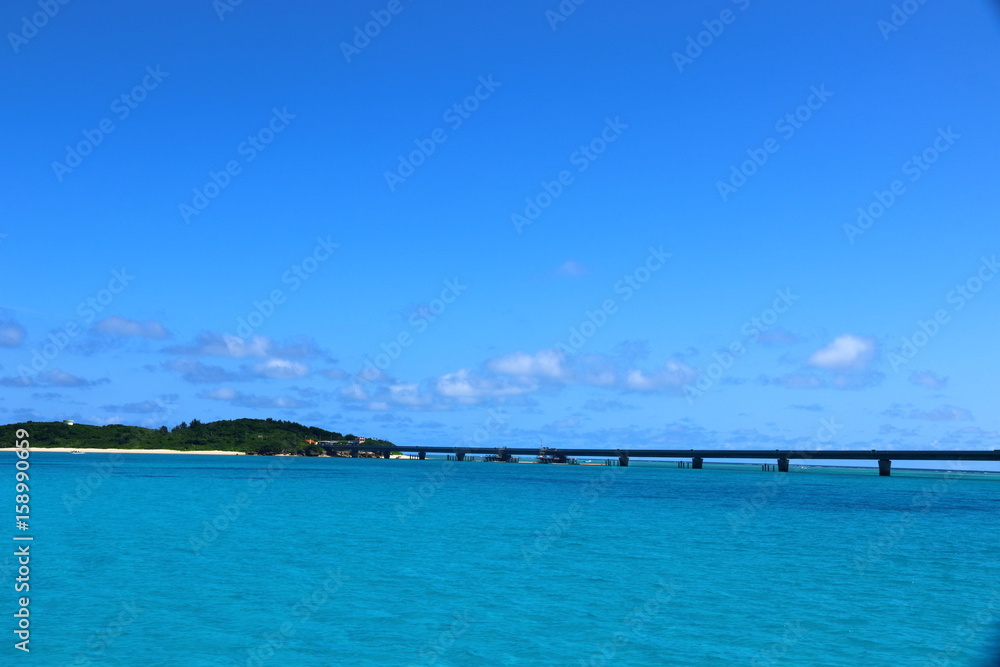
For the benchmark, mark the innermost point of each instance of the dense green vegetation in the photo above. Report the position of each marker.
(253, 436)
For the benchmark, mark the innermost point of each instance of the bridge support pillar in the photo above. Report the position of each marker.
(422, 455)
(623, 460)
(697, 462)
(459, 456)
(884, 466)
(386, 454)
(782, 465)
(504, 455)
(354, 453)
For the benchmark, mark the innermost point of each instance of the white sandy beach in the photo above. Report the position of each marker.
(123, 451)
(91, 450)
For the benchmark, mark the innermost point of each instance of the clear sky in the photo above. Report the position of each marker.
(724, 224)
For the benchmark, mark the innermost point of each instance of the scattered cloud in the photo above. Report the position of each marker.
(240, 399)
(571, 268)
(673, 377)
(856, 380)
(48, 396)
(12, 334)
(145, 407)
(892, 430)
(928, 379)
(845, 353)
(797, 381)
(119, 326)
(226, 345)
(606, 406)
(632, 350)
(468, 387)
(390, 418)
(942, 413)
(939, 414)
(199, 373)
(55, 377)
(546, 364)
(354, 392)
(280, 369)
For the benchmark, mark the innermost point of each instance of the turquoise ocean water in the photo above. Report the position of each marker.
(224, 560)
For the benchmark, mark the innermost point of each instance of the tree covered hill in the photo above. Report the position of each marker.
(253, 436)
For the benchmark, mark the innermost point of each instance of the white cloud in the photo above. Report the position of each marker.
(240, 399)
(12, 334)
(468, 387)
(55, 377)
(674, 375)
(928, 379)
(280, 369)
(407, 394)
(221, 394)
(226, 345)
(353, 392)
(845, 353)
(942, 413)
(119, 326)
(546, 363)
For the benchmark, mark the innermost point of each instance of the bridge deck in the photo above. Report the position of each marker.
(828, 454)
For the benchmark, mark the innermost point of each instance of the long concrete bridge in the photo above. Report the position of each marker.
(697, 456)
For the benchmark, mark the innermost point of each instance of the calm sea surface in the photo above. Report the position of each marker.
(225, 560)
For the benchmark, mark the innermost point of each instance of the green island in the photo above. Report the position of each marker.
(265, 437)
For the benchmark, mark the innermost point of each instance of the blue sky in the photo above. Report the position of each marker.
(727, 224)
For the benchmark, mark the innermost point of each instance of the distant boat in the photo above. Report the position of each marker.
(78, 451)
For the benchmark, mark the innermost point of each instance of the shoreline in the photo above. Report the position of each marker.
(209, 452)
(98, 450)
